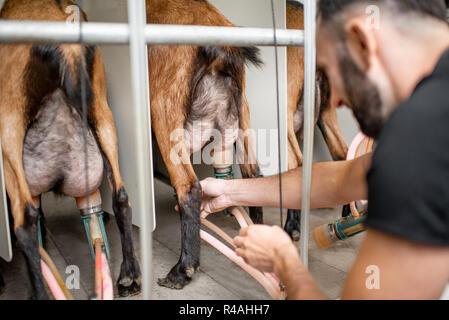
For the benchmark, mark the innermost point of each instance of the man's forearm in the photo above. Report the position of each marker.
(297, 280)
(333, 183)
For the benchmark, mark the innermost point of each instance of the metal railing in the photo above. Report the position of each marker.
(309, 122)
(119, 33)
(140, 85)
(137, 34)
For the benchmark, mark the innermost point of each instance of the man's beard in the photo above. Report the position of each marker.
(363, 96)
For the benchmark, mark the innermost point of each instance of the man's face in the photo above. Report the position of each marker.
(350, 86)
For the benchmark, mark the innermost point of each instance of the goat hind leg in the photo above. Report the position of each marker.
(25, 227)
(129, 281)
(189, 194)
(293, 223)
(328, 124)
(12, 126)
(130, 275)
(329, 127)
(189, 200)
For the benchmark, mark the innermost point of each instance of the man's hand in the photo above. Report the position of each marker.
(215, 196)
(264, 246)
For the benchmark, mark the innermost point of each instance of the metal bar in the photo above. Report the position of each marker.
(144, 160)
(119, 33)
(5, 237)
(309, 110)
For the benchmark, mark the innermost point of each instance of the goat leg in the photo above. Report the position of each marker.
(12, 126)
(189, 194)
(328, 124)
(189, 207)
(293, 223)
(129, 280)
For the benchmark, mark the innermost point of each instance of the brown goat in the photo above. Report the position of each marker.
(42, 136)
(325, 113)
(188, 84)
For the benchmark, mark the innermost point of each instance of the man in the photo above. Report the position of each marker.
(395, 78)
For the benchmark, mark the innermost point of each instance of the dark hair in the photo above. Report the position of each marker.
(329, 9)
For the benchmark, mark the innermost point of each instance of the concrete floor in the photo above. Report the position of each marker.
(217, 279)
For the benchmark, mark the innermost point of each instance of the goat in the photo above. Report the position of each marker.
(188, 84)
(325, 113)
(42, 136)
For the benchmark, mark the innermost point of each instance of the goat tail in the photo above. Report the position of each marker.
(231, 57)
(73, 65)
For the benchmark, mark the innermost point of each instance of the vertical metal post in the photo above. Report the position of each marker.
(309, 110)
(5, 238)
(144, 160)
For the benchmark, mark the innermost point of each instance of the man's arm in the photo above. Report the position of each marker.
(333, 183)
(270, 249)
(406, 270)
(387, 267)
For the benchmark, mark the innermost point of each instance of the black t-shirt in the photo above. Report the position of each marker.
(408, 184)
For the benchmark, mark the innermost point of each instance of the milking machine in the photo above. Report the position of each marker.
(224, 172)
(347, 227)
(92, 218)
(339, 230)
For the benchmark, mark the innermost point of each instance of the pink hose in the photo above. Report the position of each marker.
(52, 283)
(240, 219)
(354, 145)
(108, 293)
(352, 154)
(244, 220)
(269, 281)
(269, 284)
(246, 216)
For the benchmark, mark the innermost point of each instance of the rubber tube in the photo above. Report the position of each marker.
(52, 267)
(270, 285)
(55, 289)
(108, 292)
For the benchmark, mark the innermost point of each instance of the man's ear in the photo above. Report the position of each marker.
(361, 42)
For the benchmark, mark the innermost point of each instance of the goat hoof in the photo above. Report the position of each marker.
(129, 281)
(131, 289)
(293, 224)
(296, 235)
(177, 284)
(178, 277)
(190, 271)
